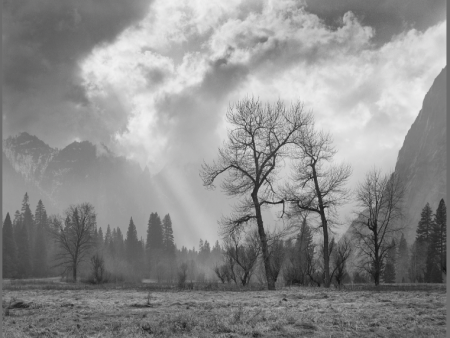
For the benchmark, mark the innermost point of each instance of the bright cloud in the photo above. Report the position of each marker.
(175, 73)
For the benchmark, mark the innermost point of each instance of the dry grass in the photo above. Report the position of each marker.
(295, 312)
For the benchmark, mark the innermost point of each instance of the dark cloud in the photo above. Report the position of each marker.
(388, 17)
(44, 41)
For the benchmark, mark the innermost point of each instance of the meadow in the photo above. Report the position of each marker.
(55, 309)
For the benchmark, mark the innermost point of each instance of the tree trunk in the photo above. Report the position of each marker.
(377, 260)
(264, 248)
(74, 273)
(326, 256)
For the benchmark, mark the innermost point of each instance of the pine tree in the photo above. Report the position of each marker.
(40, 216)
(154, 244)
(389, 269)
(100, 240)
(27, 218)
(9, 249)
(131, 244)
(23, 241)
(113, 245)
(440, 233)
(154, 232)
(433, 271)
(402, 261)
(109, 242)
(40, 242)
(425, 224)
(435, 263)
(168, 240)
(17, 219)
(423, 233)
(119, 243)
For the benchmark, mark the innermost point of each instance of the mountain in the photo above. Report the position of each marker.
(81, 172)
(117, 187)
(422, 160)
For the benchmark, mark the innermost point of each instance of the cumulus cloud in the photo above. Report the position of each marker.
(179, 68)
(387, 17)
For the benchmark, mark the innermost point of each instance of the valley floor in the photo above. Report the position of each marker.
(290, 312)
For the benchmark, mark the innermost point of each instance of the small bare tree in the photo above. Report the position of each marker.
(259, 139)
(243, 254)
(182, 275)
(75, 236)
(221, 273)
(98, 268)
(319, 185)
(378, 222)
(339, 259)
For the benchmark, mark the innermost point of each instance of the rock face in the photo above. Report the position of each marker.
(422, 160)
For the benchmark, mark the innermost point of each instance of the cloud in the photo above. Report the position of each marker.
(44, 40)
(279, 50)
(387, 17)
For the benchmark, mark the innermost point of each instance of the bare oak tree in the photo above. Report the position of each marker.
(259, 139)
(244, 254)
(380, 199)
(75, 236)
(319, 184)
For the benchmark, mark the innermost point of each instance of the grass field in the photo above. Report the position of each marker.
(84, 311)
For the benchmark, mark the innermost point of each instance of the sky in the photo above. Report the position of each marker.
(153, 79)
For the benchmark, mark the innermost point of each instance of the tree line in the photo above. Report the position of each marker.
(41, 246)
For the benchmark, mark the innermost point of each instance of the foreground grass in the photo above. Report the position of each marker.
(294, 312)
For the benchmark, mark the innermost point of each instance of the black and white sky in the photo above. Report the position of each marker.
(153, 79)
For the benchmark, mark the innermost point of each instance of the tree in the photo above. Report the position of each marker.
(379, 198)
(300, 256)
(401, 270)
(440, 235)
(436, 252)
(389, 269)
(75, 236)
(277, 256)
(132, 245)
(425, 225)
(154, 245)
(318, 186)
(168, 240)
(260, 138)
(244, 254)
(100, 240)
(24, 225)
(9, 249)
(27, 219)
(109, 245)
(423, 233)
(339, 259)
(40, 243)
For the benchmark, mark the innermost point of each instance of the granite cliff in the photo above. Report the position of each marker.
(422, 160)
